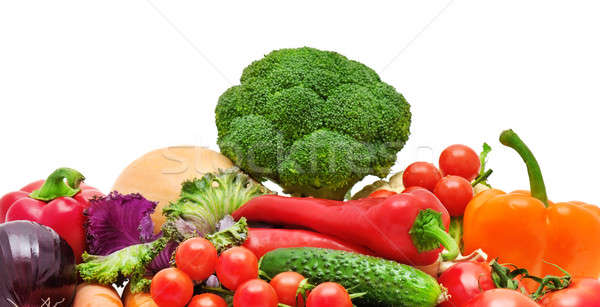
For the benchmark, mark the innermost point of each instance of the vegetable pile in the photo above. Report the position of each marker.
(212, 235)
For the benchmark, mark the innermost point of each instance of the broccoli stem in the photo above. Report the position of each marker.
(322, 192)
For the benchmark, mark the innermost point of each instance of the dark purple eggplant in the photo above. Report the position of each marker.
(37, 267)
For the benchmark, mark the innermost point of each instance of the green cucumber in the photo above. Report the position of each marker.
(387, 283)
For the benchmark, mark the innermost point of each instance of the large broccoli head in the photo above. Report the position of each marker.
(312, 121)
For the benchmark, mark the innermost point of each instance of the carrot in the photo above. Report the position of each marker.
(91, 295)
(142, 299)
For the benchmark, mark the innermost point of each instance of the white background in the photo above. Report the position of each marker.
(95, 84)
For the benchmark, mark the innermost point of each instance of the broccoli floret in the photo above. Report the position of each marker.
(312, 121)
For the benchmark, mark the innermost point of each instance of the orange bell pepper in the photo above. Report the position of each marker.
(525, 229)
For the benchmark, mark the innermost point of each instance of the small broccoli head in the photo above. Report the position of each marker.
(313, 121)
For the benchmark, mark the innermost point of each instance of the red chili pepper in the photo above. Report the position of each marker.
(53, 203)
(263, 240)
(408, 227)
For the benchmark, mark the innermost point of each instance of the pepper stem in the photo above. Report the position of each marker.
(536, 181)
(428, 232)
(55, 186)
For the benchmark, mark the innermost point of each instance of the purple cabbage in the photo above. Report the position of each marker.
(117, 221)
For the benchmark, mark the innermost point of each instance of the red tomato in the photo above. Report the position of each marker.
(207, 300)
(421, 174)
(197, 257)
(235, 266)
(455, 193)
(501, 298)
(171, 288)
(583, 292)
(460, 160)
(410, 189)
(464, 281)
(329, 294)
(286, 285)
(255, 293)
(382, 194)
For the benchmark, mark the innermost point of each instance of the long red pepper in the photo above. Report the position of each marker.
(407, 227)
(263, 240)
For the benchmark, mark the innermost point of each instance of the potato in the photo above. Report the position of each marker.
(158, 174)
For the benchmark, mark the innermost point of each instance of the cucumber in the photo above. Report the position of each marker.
(387, 283)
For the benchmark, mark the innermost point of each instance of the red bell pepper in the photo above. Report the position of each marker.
(54, 203)
(407, 227)
(263, 240)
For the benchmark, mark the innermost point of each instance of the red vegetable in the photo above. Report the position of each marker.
(261, 241)
(502, 298)
(286, 285)
(583, 292)
(460, 160)
(207, 300)
(455, 193)
(171, 288)
(236, 266)
(382, 194)
(329, 294)
(53, 203)
(407, 227)
(255, 293)
(464, 281)
(421, 174)
(37, 267)
(197, 257)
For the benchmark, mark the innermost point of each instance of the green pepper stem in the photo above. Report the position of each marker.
(536, 181)
(428, 232)
(55, 185)
(446, 240)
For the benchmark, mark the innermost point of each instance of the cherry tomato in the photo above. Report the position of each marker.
(207, 300)
(501, 298)
(455, 193)
(382, 194)
(171, 288)
(460, 160)
(286, 285)
(421, 174)
(583, 292)
(235, 266)
(410, 189)
(464, 281)
(329, 294)
(255, 293)
(197, 257)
